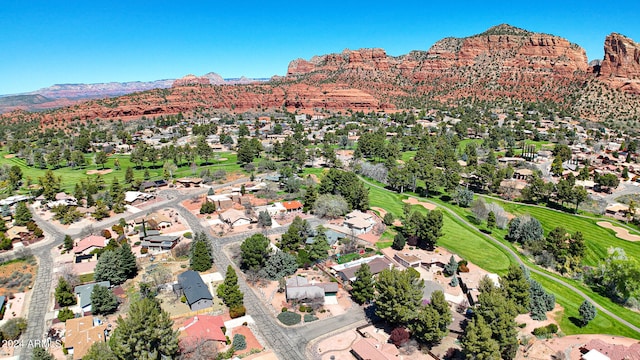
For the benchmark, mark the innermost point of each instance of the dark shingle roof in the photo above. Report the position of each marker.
(194, 288)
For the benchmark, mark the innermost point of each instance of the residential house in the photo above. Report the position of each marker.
(235, 217)
(11, 200)
(347, 271)
(300, 289)
(202, 328)
(80, 333)
(598, 349)
(17, 233)
(359, 222)
(158, 243)
(84, 294)
(292, 206)
(222, 202)
(273, 209)
(158, 221)
(372, 349)
(188, 182)
(407, 260)
(198, 296)
(83, 248)
(617, 210)
(332, 237)
(136, 197)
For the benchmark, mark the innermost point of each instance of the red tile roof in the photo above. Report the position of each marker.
(292, 205)
(89, 241)
(204, 327)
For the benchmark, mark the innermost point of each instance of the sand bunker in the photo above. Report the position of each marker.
(621, 232)
(101, 172)
(9, 156)
(414, 201)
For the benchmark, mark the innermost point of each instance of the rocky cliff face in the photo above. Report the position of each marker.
(620, 67)
(503, 62)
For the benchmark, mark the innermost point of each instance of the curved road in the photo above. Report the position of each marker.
(515, 255)
(286, 342)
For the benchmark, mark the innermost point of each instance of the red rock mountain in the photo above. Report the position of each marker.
(621, 65)
(502, 63)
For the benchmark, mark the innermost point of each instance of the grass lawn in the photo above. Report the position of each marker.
(602, 324)
(408, 155)
(225, 161)
(597, 239)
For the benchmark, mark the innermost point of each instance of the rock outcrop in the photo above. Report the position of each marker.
(621, 64)
(504, 62)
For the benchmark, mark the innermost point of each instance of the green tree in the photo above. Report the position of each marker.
(103, 301)
(579, 196)
(425, 327)
(254, 252)
(441, 306)
(516, 287)
(348, 185)
(68, 242)
(399, 295)
(264, 219)
(127, 261)
(319, 248)
(540, 301)
(477, 343)
(146, 333)
(22, 214)
(587, 312)
(40, 353)
(101, 211)
(362, 289)
(229, 291)
(279, 265)
(310, 196)
(101, 158)
(207, 207)
(297, 232)
(65, 314)
(50, 185)
(399, 242)
(108, 268)
(491, 220)
(500, 313)
(100, 350)
(15, 176)
(388, 219)
(200, 259)
(64, 293)
(128, 175)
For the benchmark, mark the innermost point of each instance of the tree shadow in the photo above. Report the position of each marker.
(576, 321)
(370, 314)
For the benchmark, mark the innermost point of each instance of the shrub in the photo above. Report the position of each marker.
(183, 299)
(187, 235)
(545, 331)
(13, 328)
(65, 314)
(289, 318)
(399, 336)
(284, 309)
(309, 318)
(237, 311)
(239, 342)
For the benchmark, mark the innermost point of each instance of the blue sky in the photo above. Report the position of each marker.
(54, 42)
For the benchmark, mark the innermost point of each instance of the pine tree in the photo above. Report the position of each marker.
(68, 242)
(146, 333)
(319, 249)
(425, 327)
(229, 291)
(103, 301)
(64, 293)
(254, 252)
(399, 295)
(441, 306)
(540, 301)
(22, 214)
(200, 259)
(587, 312)
(362, 289)
(108, 268)
(452, 267)
(99, 350)
(127, 261)
(491, 220)
(516, 287)
(40, 353)
(399, 242)
(477, 343)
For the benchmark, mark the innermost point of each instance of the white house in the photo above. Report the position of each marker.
(359, 222)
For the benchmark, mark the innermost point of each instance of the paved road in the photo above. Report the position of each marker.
(533, 269)
(287, 343)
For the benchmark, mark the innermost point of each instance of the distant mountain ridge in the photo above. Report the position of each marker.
(59, 95)
(502, 64)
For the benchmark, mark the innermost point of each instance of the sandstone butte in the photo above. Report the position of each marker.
(621, 65)
(503, 62)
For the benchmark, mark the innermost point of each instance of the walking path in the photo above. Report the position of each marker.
(533, 269)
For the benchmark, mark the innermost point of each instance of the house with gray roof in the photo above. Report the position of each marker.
(84, 294)
(300, 289)
(198, 296)
(157, 243)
